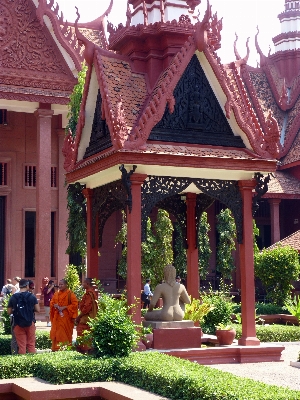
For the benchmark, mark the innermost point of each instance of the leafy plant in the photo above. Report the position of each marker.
(73, 281)
(196, 310)
(224, 327)
(5, 318)
(222, 305)
(112, 331)
(293, 306)
(276, 268)
(227, 234)
(203, 246)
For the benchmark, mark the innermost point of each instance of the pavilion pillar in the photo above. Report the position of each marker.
(248, 337)
(134, 233)
(275, 225)
(62, 258)
(92, 252)
(193, 281)
(43, 195)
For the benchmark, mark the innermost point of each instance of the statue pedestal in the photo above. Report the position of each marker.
(174, 334)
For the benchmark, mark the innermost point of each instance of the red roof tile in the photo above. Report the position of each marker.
(283, 183)
(293, 240)
(294, 153)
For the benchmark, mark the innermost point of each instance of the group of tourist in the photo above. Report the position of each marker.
(62, 311)
(10, 288)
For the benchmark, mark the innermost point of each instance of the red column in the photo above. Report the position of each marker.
(247, 268)
(62, 259)
(91, 252)
(43, 196)
(134, 245)
(275, 226)
(193, 280)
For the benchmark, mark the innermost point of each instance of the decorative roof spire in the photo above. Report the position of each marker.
(289, 38)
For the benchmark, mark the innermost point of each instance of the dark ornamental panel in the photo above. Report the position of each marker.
(106, 200)
(157, 190)
(197, 117)
(100, 136)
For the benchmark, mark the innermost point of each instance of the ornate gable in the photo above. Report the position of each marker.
(100, 137)
(197, 117)
(29, 56)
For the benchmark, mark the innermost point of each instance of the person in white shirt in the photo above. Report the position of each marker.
(16, 281)
(147, 294)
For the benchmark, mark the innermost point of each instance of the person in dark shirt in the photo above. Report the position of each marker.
(48, 293)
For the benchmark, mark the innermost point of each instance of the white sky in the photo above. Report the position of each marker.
(240, 16)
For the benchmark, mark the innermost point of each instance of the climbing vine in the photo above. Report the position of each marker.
(204, 246)
(227, 234)
(76, 226)
(75, 101)
(157, 250)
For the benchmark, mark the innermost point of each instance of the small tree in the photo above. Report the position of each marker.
(204, 246)
(227, 235)
(73, 281)
(276, 268)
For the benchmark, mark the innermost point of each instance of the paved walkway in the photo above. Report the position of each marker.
(272, 373)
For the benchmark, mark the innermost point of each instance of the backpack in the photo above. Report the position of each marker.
(23, 309)
(8, 290)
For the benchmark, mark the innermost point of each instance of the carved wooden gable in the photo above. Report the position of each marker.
(197, 117)
(100, 136)
(29, 56)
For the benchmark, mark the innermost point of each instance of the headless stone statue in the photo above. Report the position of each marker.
(174, 297)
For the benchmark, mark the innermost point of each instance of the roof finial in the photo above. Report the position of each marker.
(162, 10)
(145, 12)
(128, 15)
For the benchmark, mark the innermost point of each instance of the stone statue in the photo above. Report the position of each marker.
(174, 297)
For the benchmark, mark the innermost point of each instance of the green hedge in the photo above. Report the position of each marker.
(273, 333)
(263, 309)
(167, 376)
(42, 342)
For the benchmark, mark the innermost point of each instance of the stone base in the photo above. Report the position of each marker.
(168, 324)
(230, 354)
(176, 338)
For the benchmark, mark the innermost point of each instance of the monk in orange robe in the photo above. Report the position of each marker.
(63, 312)
(87, 309)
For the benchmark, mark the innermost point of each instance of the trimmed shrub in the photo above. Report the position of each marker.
(276, 268)
(273, 333)
(263, 309)
(43, 342)
(161, 374)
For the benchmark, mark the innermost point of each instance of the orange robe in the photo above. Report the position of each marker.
(62, 327)
(85, 307)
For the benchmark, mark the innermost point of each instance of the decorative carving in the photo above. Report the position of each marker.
(197, 117)
(128, 15)
(272, 136)
(261, 188)
(127, 184)
(106, 200)
(24, 43)
(193, 4)
(145, 12)
(156, 189)
(100, 136)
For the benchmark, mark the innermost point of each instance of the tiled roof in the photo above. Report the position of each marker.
(265, 96)
(283, 183)
(121, 81)
(194, 151)
(294, 153)
(293, 240)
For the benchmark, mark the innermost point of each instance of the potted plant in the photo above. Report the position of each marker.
(147, 336)
(225, 334)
